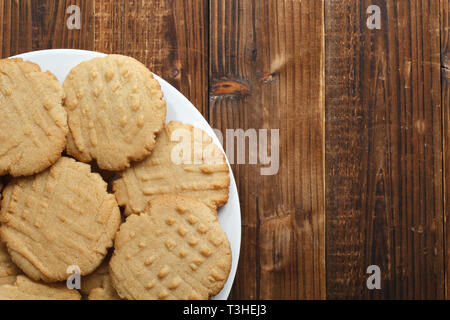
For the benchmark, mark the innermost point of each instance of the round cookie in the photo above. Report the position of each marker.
(33, 124)
(176, 249)
(98, 286)
(115, 110)
(26, 289)
(185, 161)
(8, 270)
(59, 218)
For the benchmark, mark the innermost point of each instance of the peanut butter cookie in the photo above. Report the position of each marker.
(59, 218)
(176, 249)
(115, 110)
(33, 124)
(185, 161)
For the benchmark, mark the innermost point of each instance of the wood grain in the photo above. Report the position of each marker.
(36, 25)
(268, 73)
(445, 34)
(384, 200)
(445, 78)
(169, 36)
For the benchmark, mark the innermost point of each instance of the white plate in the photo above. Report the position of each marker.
(60, 61)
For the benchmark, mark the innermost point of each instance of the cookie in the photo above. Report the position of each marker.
(174, 167)
(59, 218)
(176, 249)
(26, 289)
(33, 124)
(98, 286)
(8, 270)
(115, 110)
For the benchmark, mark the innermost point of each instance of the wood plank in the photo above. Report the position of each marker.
(15, 32)
(268, 73)
(384, 201)
(36, 25)
(445, 34)
(170, 37)
(445, 72)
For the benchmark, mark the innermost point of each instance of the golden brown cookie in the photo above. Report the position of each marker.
(185, 161)
(33, 124)
(115, 110)
(176, 249)
(59, 218)
(26, 289)
(8, 270)
(98, 286)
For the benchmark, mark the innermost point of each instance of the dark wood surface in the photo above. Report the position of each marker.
(445, 77)
(384, 191)
(363, 119)
(277, 65)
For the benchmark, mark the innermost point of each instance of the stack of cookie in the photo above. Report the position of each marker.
(62, 148)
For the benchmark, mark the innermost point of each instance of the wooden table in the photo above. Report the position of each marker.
(363, 117)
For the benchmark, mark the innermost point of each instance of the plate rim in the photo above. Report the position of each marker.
(225, 292)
